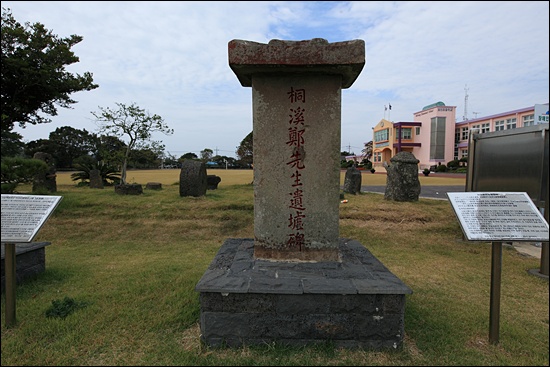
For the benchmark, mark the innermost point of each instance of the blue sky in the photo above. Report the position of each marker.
(170, 58)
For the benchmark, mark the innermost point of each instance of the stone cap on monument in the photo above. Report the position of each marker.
(315, 56)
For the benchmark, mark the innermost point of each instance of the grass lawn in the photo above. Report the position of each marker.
(132, 262)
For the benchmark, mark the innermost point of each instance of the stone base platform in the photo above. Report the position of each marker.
(30, 260)
(354, 302)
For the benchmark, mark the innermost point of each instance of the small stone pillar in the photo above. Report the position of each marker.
(296, 102)
(45, 181)
(402, 183)
(352, 181)
(193, 178)
(96, 181)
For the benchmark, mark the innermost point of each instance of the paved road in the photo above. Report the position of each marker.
(431, 192)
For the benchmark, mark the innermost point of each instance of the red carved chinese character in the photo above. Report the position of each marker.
(295, 136)
(296, 202)
(297, 95)
(296, 161)
(296, 240)
(296, 222)
(297, 181)
(297, 116)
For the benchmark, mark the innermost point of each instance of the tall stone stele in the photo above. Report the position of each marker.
(296, 282)
(296, 101)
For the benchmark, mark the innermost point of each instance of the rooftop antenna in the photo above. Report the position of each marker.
(465, 117)
(475, 114)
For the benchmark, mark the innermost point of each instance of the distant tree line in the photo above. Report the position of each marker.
(35, 83)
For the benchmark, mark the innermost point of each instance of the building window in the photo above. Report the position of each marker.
(529, 120)
(437, 138)
(417, 130)
(464, 153)
(465, 133)
(381, 135)
(478, 127)
(485, 128)
(377, 157)
(406, 133)
(511, 123)
(499, 125)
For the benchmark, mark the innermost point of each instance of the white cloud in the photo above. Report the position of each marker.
(171, 58)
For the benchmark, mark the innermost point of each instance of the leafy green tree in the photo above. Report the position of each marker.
(42, 145)
(144, 158)
(170, 160)
(34, 79)
(206, 154)
(132, 122)
(16, 170)
(111, 150)
(71, 143)
(188, 156)
(245, 151)
(12, 145)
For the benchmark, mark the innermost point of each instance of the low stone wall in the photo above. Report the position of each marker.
(30, 260)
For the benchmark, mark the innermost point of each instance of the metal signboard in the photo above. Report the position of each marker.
(24, 215)
(498, 216)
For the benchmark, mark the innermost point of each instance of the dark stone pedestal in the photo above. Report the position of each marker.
(30, 260)
(355, 302)
(129, 189)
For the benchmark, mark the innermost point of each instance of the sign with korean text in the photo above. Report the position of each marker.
(498, 216)
(24, 215)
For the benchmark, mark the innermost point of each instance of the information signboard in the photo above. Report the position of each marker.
(24, 215)
(499, 216)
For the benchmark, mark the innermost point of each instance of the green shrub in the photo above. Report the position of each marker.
(16, 170)
(108, 173)
(65, 307)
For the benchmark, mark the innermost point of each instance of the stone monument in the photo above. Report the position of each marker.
(297, 282)
(193, 178)
(96, 181)
(352, 180)
(402, 183)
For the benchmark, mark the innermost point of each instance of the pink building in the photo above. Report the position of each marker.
(434, 137)
(527, 116)
(430, 137)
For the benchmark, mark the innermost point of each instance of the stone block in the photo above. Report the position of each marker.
(153, 186)
(30, 260)
(274, 303)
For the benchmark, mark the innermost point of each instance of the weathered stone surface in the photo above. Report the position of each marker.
(193, 181)
(212, 182)
(356, 302)
(96, 181)
(402, 183)
(316, 57)
(153, 186)
(45, 181)
(30, 260)
(296, 181)
(352, 181)
(129, 189)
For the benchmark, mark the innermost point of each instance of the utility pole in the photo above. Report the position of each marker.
(465, 117)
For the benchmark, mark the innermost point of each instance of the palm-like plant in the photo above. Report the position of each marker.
(109, 174)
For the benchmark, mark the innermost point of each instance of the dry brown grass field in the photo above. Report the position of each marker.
(239, 177)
